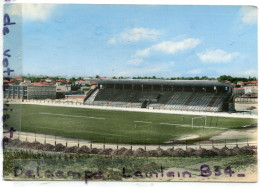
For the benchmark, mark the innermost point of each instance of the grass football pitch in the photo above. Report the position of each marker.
(116, 126)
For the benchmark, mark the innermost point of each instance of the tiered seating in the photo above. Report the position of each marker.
(134, 101)
(162, 100)
(92, 97)
(155, 104)
(104, 96)
(219, 100)
(147, 95)
(144, 95)
(124, 97)
(200, 101)
(178, 100)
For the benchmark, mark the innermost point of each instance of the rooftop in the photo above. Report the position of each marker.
(164, 82)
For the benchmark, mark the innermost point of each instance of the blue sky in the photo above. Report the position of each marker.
(136, 40)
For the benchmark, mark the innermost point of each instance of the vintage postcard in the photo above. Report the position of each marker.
(110, 92)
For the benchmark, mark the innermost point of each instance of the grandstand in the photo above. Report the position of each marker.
(193, 95)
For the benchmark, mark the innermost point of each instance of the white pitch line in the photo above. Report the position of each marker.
(175, 124)
(70, 115)
(193, 126)
(142, 122)
(216, 128)
(144, 126)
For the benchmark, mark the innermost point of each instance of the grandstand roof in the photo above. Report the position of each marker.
(164, 82)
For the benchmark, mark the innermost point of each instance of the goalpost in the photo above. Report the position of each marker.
(205, 120)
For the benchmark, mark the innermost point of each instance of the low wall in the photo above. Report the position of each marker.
(245, 106)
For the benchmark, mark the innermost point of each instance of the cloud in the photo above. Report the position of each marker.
(112, 41)
(32, 12)
(169, 47)
(143, 53)
(195, 71)
(216, 56)
(248, 14)
(173, 47)
(136, 34)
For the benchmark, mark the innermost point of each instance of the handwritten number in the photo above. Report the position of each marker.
(217, 171)
(229, 171)
(205, 170)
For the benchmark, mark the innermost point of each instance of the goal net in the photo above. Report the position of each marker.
(200, 121)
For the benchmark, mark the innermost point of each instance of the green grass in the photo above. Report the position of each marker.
(118, 126)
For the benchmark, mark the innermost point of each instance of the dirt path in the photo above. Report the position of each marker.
(236, 134)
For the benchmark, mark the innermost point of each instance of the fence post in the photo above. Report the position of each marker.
(145, 145)
(104, 144)
(55, 140)
(66, 142)
(186, 144)
(78, 142)
(247, 142)
(91, 144)
(26, 136)
(225, 143)
(131, 143)
(212, 143)
(117, 144)
(35, 137)
(45, 139)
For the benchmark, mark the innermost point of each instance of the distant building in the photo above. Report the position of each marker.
(239, 91)
(61, 89)
(41, 92)
(249, 87)
(249, 83)
(15, 92)
(81, 82)
(75, 96)
(49, 80)
(29, 92)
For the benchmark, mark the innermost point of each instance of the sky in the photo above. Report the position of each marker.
(137, 40)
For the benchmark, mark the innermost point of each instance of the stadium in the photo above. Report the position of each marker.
(202, 95)
(132, 111)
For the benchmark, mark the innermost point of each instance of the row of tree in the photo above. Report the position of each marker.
(236, 79)
(221, 78)
(177, 78)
